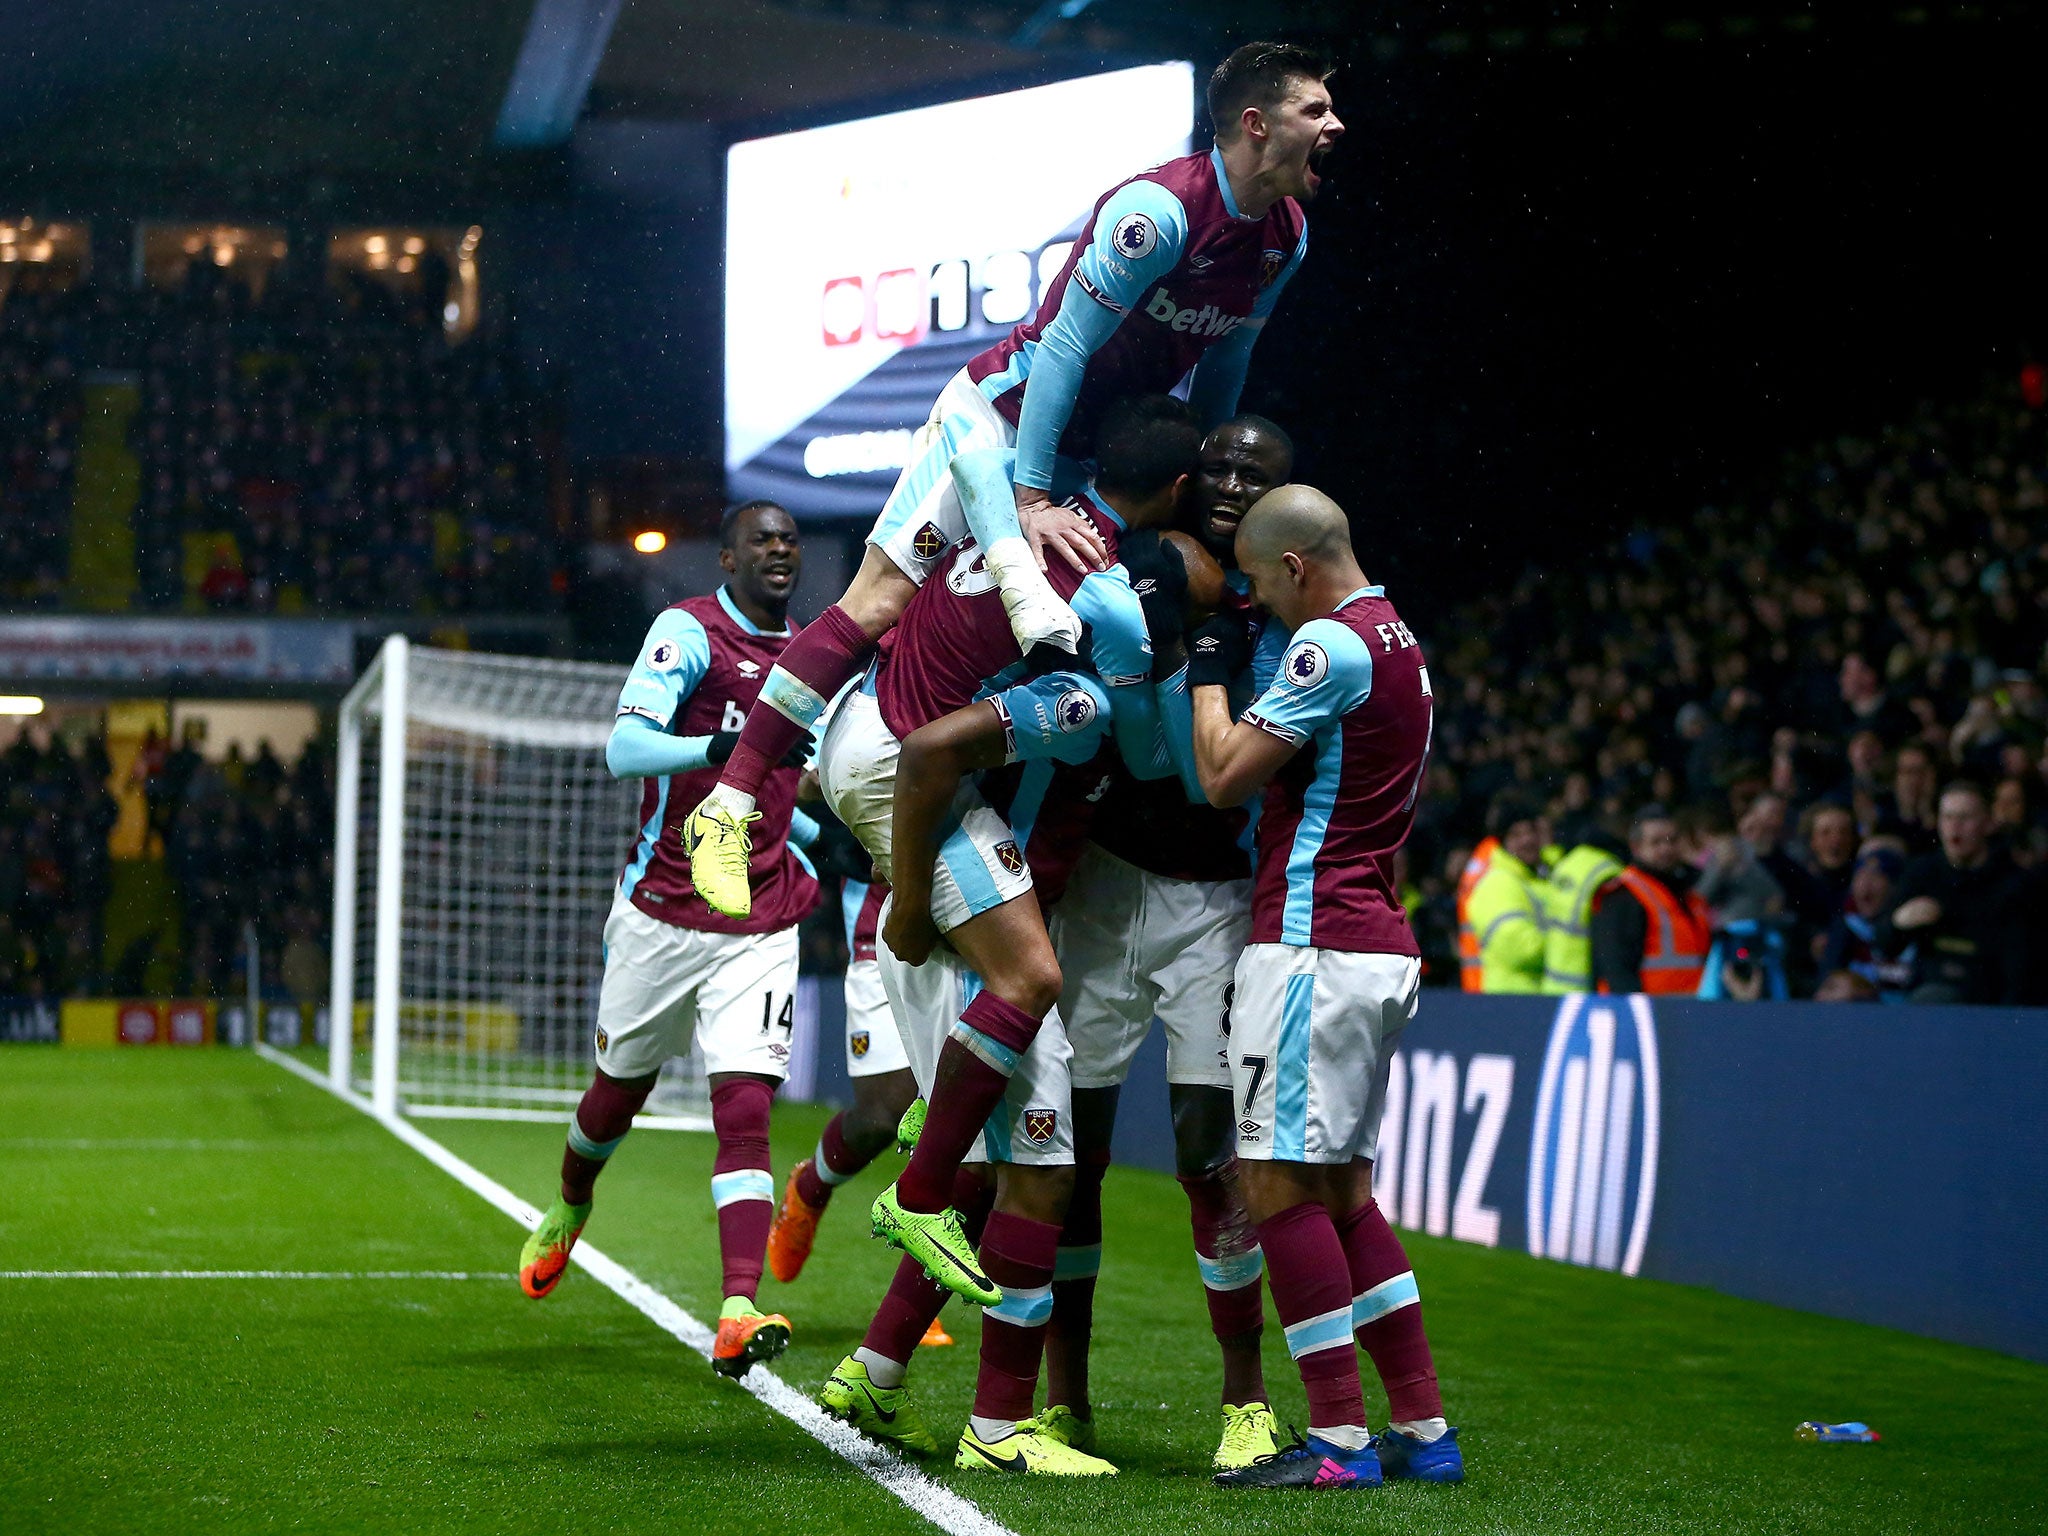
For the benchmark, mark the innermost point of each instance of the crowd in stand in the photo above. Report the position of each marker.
(55, 868)
(40, 408)
(246, 840)
(1836, 689)
(322, 447)
(242, 840)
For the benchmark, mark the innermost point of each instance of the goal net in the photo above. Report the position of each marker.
(476, 851)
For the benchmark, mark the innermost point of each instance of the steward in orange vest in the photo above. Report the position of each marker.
(1650, 930)
(1468, 941)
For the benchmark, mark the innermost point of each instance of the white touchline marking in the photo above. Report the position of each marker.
(941, 1506)
(248, 1274)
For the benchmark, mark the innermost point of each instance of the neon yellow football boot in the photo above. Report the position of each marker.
(1028, 1451)
(719, 846)
(1248, 1436)
(881, 1413)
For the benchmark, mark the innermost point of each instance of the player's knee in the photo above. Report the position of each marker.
(1032, 982)
(878, 595)
(1037, 1194)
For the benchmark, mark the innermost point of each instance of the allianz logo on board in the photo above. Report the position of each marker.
(1593, 1155)
(1593, 1151)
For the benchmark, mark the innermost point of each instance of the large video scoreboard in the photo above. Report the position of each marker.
(866, 261)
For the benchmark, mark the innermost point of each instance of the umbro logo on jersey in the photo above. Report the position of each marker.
(750, 669)
(1199, 263)
(1206, 321)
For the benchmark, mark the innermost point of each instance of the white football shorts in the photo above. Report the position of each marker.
(1312, 1033)
(980, 865)
(1034, 1125)
(1134, 946)
(873, 1045)
(922, 518)
(736, 992)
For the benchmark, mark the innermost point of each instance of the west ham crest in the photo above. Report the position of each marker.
(1039, 1125)
(858, 1043)
(928, 542)
(1012, 857)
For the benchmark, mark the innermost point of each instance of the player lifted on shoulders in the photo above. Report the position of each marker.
(673, 966)
(1175, 270)
(1337, 742)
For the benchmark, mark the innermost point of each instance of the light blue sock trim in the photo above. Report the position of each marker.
(583, 1146)
(741, 1184)
(1233, 1272)
(1023, 1307)
(1077, 1263)
(1388, 1296)
(992, 1053)
(1314, 1334)
(789, 695)
(823, 1169)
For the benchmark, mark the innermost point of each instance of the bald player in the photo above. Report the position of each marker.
(1337, 744)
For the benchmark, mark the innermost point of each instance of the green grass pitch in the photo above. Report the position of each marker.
(1588, 1402)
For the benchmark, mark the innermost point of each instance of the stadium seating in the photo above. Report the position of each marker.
(321, 449)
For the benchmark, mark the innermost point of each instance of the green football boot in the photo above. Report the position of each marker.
(546, 1254)
(937, 1242)
(910, 1127)
(881, 1413)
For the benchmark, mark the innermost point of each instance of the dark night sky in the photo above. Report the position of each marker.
(1554, 295)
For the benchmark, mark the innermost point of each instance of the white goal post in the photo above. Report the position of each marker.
(475, 855)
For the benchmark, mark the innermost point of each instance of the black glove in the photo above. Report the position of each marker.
(1218, 649)
(721, 743)
(1160, 578)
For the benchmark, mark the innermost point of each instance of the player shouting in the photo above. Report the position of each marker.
(1338, 743)
(1175, 270)
(672, 966)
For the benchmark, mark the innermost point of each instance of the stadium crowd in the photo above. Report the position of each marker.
(241, 839)
(320, 447)
(40, 409)
(1836, 689)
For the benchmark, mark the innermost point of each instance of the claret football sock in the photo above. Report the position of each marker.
(981, 1051)
(1386, 1314)
(830, 1166)
(742, 1188)
(1227, 1253)
(1074, 1271)
(826, 655)
(1306, 1270)
(595, 1131)
(1018, 1254)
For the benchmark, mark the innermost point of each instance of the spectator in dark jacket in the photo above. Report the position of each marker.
(1962, 910)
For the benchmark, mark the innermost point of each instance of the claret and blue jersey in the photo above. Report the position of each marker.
(1166, 277)
(698, 673)
(1353, 693)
